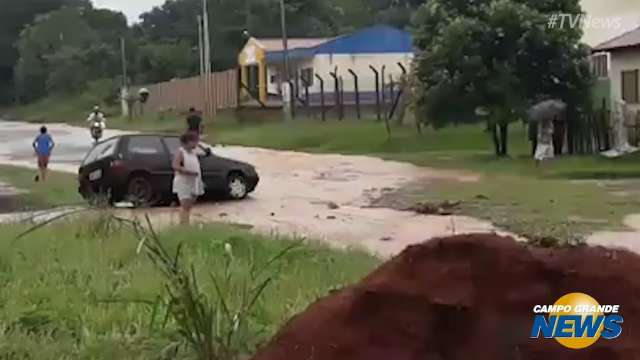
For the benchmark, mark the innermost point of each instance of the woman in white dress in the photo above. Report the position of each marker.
(187, 182)
(544, 150)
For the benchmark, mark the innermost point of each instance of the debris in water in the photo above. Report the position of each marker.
(333, 206)
(445, 208)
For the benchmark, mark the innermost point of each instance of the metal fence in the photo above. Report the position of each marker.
(181, 94)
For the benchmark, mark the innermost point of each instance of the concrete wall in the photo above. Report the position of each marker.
(323, 65)
(273, 87)
(623, 60)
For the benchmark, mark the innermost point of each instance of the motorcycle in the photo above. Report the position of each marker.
(96, 131)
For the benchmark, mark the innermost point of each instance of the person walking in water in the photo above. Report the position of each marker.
(187, 181)
(43, 146)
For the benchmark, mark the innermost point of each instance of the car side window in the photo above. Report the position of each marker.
(145, 145)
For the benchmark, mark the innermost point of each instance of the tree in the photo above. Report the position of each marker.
(175, 22)
(62, 51)
(15, 15)
(496, 56)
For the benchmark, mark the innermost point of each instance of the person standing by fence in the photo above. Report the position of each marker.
(194, 123)
(43, 146)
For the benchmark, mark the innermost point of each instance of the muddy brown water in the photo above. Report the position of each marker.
(297, 194)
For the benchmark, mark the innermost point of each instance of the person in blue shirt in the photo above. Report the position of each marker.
(43, 146)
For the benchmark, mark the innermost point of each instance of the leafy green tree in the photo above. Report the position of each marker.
(163, 61)
(65, 49)
(39, 43)
(496, 56)
(14, 16)
(175, 22)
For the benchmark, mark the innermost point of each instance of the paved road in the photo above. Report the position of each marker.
(296, 196)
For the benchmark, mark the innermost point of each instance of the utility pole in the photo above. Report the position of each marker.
(200, 45)
(203, 93)
(209, 104)
(286, 89)
(124, 92)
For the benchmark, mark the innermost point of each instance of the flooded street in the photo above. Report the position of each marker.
(323, 197)
(317, 196)
(72, 143)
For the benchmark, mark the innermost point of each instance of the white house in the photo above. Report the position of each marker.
(623, 69)
(380, 49)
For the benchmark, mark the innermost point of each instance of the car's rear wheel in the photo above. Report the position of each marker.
(140, 192)
(237, 186)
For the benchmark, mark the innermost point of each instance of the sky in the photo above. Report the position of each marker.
(131, 8)
(627, 11)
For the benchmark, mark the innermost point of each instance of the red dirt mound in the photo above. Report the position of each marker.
(465, 298)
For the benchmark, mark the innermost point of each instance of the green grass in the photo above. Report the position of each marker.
(56, 109)
(60, 188)
(71, 292)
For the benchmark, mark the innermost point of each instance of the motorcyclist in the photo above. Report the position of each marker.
(97, 116)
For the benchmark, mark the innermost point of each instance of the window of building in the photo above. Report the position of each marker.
(630, 86)
(600, 65)
(307, 76)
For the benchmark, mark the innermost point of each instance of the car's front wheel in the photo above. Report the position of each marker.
(140, 192)
(237, 186)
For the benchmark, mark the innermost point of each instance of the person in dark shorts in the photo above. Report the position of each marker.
(43, 146)
(194, 122)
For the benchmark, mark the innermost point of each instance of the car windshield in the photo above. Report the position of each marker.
(101, 151)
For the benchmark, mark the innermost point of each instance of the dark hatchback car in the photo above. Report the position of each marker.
(137, 168)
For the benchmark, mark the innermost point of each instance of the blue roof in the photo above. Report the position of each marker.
(372, 40)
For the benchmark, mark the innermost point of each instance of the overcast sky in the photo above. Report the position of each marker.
(628, 10)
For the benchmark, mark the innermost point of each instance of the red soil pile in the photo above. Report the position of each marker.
(468, 298)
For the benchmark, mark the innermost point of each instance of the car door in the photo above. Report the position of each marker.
(214, 174)
(147, 153)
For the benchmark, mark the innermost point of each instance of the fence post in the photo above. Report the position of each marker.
(341, 82)
(306, 91)
(324, 115)
(357, 90)
(377, 77)
(404, 84)
(336, 89)
(383, 91)
(392, 84)
(292, 98)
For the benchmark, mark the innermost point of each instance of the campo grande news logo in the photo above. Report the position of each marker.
(577, 321)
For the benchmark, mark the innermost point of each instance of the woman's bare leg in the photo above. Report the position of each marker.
(185, 211)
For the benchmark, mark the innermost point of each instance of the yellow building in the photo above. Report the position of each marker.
(255, 74)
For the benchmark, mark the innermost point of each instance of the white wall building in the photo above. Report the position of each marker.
(624, 67)
(387, 50)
